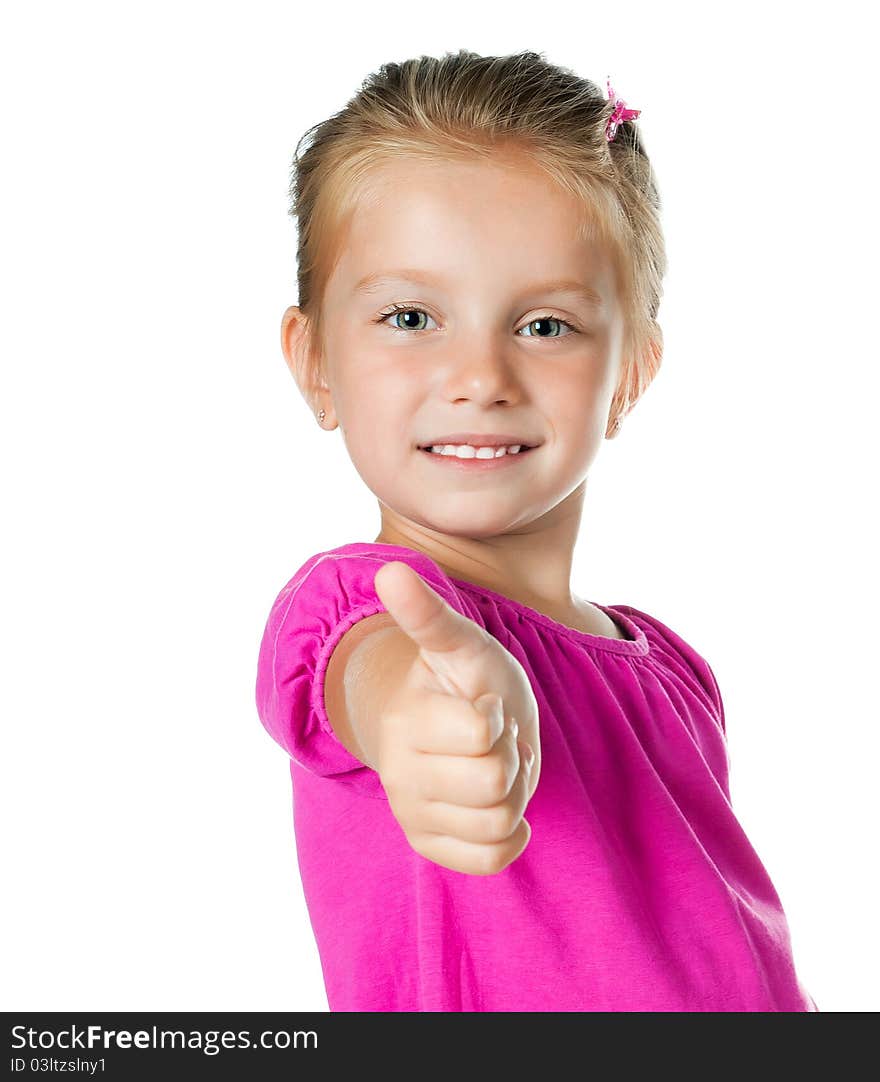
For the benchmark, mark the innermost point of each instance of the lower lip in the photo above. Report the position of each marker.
(476, 464)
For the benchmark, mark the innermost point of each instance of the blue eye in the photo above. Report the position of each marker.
(412, 310)
(548, 320)
(403, 309)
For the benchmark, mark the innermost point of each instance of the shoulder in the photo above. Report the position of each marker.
(678, 654)
(344, 577)
(329, 594)
(334, 590)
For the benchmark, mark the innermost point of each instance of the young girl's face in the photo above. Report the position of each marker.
(493, 337)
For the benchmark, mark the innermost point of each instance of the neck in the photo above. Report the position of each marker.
(531, 564)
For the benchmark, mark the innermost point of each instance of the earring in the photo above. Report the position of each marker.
(321, 416)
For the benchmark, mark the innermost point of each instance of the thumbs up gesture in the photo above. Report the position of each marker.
(458, 749)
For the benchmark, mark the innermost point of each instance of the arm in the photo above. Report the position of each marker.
(365, 669)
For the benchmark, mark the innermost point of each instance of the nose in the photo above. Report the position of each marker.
(481, 369)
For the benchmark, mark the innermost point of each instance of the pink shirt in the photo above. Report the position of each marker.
(638, 890)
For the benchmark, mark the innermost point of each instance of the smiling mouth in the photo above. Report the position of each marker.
(504, 453)
(477, 463)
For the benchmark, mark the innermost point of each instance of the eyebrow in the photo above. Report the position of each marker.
(371, 283)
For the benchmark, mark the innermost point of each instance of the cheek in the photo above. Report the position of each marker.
(578, 413)
(390, 398)
(362, 392)
(380, 431)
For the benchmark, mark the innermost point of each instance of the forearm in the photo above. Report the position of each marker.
(373, 676)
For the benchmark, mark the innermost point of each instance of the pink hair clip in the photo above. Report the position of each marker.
(620, 113)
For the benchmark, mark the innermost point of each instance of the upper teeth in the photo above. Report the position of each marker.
(465, 450)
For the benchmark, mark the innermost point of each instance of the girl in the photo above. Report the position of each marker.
(506, 798)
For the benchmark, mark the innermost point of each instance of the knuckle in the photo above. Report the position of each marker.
(495, 780)
(500, 822)
(489, 861)
(480, 735)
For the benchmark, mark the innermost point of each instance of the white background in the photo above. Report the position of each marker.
(163, 478)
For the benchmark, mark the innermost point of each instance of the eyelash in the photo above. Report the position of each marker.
(414, 308)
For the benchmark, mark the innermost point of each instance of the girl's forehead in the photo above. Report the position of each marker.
(445, 224)
(470, 207)
(365, 269)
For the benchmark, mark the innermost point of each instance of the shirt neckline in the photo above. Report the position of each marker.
(637, 645)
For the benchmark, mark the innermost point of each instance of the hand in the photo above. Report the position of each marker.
(457, 777)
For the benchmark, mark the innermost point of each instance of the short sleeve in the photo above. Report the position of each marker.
(331, 592)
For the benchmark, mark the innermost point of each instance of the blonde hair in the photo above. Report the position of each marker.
(465, 106)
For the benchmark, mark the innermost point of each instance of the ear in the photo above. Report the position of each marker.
(295, 346)
(652, 360)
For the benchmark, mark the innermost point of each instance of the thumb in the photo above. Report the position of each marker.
(421, 613)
